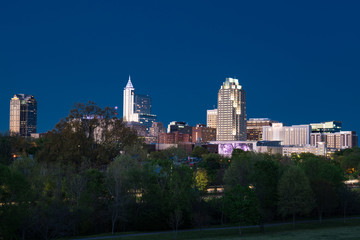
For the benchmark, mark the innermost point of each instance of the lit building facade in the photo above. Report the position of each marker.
(296, 135)
(203, 134)
(326, 127)
(231, 112)
(320, 149)
(23, 115)
(181, 127)
(128, 103)
(174, 138)
(255, 126)
(337, 140)
(156, 128)
(211, 117)
(146, 119)
(142, 104)
(137, 108)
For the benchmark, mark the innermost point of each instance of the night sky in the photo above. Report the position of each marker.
(298, 62)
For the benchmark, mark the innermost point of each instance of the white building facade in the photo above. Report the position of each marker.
(296, 135)
(231, 112)
(128, 103)
(211, 117)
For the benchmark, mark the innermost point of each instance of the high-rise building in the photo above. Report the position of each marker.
(146, 119)
(23, 115)
(255, 126)
(128, 105)
(231, 115)
(211, 118)
(142, 104)
(296, 135)
(137, 108)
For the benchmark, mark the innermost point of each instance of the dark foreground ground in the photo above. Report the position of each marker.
(329, 229)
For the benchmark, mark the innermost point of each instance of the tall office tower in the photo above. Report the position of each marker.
(211, 118)
(23, 115)
(137, 108)
(142, 108)
(128, 107)
(231, 116)
(142, 104)
(255, 126)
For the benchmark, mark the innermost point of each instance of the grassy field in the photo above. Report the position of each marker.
(327, 230)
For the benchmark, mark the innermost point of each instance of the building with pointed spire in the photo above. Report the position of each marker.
(137, 108)
(128, 104)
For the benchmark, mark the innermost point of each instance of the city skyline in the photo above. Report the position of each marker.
(295, 70)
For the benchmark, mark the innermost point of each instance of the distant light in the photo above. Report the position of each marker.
(116, 107)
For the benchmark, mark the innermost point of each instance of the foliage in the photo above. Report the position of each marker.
(240, 169)
(295, 195)
(266, 176)
(211, 163)
(90, 134)
(119, 184)
(241, 205)
(201, 179)
(325, 179)
(94, 175)
(199, 152)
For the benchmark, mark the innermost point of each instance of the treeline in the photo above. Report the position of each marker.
(77, 180)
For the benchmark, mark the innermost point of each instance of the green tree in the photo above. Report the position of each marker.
(16, 200)
(349, 160)
(199, 152)
(5, 150)
(241, 206)
(89, 133)
(201, 179)
(240, 170)
(266, 176)
(167, 195)
(295, 195)
(119, 180)
(211, 163)
(325, 179)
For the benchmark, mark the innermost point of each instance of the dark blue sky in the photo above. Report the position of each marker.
(298, 62)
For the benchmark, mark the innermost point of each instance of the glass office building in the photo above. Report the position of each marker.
(23, 115)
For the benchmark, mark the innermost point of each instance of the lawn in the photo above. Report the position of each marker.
(327, 230)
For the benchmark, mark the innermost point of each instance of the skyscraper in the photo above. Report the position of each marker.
(231, 116)
(23, 115)
(142, 104)
(137, 108)
(128, 106)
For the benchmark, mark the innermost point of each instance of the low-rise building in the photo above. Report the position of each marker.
(255, 126)
(203, 134)
(336, 140)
